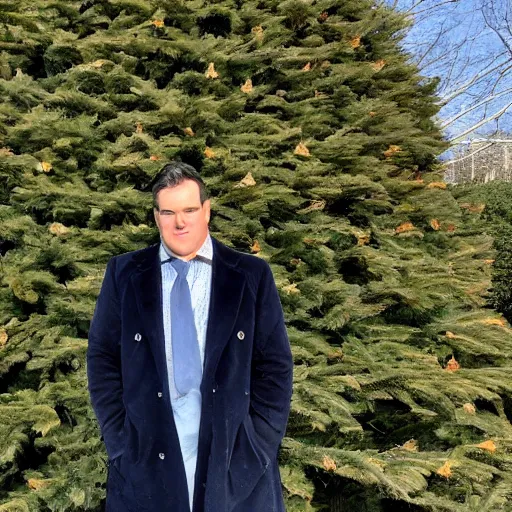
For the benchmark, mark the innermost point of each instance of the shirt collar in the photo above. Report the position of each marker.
(205, 252)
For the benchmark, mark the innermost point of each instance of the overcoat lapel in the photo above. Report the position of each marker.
(228, 284)
(147, 284)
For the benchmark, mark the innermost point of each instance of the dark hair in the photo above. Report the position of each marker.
(175, 173)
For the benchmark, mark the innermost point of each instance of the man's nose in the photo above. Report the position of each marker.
(180, 221)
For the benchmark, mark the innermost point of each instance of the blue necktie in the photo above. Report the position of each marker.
(185, 348)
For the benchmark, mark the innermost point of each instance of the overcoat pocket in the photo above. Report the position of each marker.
(120, 495)
(116, 480)
(247, 465)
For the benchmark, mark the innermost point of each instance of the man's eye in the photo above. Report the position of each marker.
(166, 212)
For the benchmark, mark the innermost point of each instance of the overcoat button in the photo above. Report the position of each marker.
(138, 337)
(241, 335)
(162, 455)
(159, 394)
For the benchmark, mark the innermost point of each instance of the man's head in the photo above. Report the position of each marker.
(181, 208)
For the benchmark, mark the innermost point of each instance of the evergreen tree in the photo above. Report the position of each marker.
(314, 133)
(494, 200)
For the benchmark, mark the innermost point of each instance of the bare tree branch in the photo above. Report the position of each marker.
(474, 79)
(428, 9)
(467, 155)
(468, 45)
(488, 99)
(493, 27)
(481, 123)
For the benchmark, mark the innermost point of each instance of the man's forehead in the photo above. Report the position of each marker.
(184, 189)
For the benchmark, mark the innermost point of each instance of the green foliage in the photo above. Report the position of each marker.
(496, 197)
(296, 14)
(502, 272)
(59, 58)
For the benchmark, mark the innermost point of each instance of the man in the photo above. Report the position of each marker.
(189, 367)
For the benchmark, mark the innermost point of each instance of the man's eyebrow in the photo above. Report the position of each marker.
(186, 208)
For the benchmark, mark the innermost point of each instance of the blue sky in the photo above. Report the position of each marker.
(460, 41)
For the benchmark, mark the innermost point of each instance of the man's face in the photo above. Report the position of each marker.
(181, 218)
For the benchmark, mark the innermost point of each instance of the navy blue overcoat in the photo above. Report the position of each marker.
(246, 389)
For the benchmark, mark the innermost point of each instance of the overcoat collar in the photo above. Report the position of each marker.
(228, 283)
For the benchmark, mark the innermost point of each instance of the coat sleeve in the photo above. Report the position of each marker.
(272, 368)
(104, 364)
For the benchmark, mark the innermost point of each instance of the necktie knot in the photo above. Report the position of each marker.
(181, 267)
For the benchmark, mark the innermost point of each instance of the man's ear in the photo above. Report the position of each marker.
(157, 220)
(207, 210)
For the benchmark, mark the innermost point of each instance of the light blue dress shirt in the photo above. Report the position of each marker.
(187, 408)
